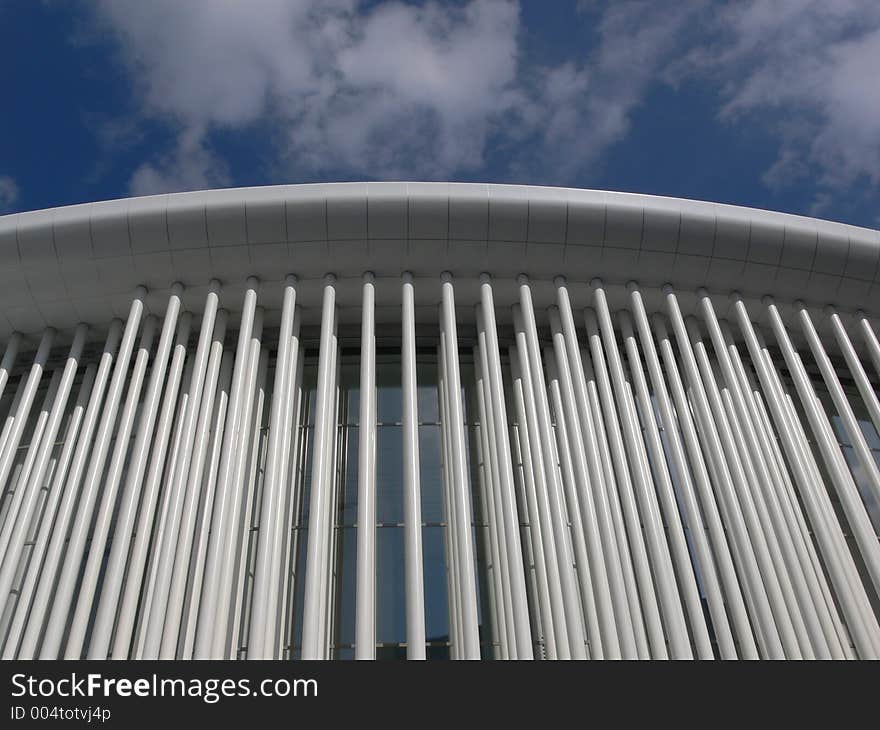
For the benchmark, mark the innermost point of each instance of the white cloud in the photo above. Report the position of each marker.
(809, 69)
(8, 193)
(429, 90)
(389, 90)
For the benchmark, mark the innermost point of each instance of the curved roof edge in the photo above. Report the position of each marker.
(58, 258)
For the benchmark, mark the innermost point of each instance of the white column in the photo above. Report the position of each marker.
(452, 572)
(658, 549)
(164, 551)
(491, 352)
(50, 510)
(712, 418)
(173, 561)
(767, 498)
(859, 375)
(641, 565)
(194, 592)
(320, 529)
(569, 629)
(99, 643)
(365, 591)
(691, 505)
(8, 361)
(687, 580)
(870, 338)
(785, 608)
(841, 403)
(34, 630)
(292, 469)
(76, 546)
(498, 588)
(20, 419)
(535, 515)
(104, 516)
(211, 633)
(274, 480)
(787, 502)
(597, 486)
(853, 507)
(461, 494)
(596, 522)
(826, 528)
(412, 501)
(243, 585)
(19, 524)
(564, 440)
(229, 543)
(608, 483)
(136, 561)
(175, 587)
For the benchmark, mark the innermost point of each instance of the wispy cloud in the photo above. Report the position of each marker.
(8, 193)
(432, 90)
(393, 90)
(807, 70)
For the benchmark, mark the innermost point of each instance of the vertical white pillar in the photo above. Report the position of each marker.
(273, 482)
(136, 561)
(859, 375)
(767, 498)
(594, 482)
(535, 514)
(243, 585)
(569, 629)
(194, 593)
(841, 403)
(592, 630)
(293, 466)
(320, 529)
(8, 361)
(785, 608)
(826, 528)
(452, 572)
(461, 496)
(365, 589)
(787, 503)
(520, 608)
(20, 419)
(498, 588)
(412, 501)
(99, 642)
(853, 507)
(225, 498)
(630, 513)
(687, 580)
(690, 503)
(164, 551)
(230, 544)
(82, 607)
(19, 524)
(711, 420)
(34, 629)
(658, 549)
(76, 546)
(870, 338)
(175, 587)
(50, 510)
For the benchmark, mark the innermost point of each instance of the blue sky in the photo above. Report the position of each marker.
(767, 103)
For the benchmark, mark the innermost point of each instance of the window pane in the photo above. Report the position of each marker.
(430, 473)
(390, 591)
(389, 474)
(436, 606)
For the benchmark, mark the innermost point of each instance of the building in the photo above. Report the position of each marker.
(435, 420)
